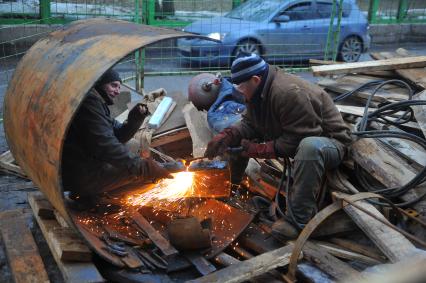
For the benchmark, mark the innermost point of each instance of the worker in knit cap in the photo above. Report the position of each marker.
(95, 157)
(286, 116)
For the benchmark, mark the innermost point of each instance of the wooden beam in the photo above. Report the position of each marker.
(420, 111)
(196, 121)
(345, 254)
(393, 244)
(416, 75)
(163, 244)
(370, 251)
(388, 168)
(68, 245)
(81, 272)
(261, 243)
(328, 263)
(250, 268)
(378, 65)
(21, 250)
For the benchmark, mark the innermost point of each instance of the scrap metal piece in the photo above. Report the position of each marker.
(187, 234)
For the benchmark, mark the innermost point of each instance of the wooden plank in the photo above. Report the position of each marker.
(388, 168)
(345, 254)
(393, 244)
(420, 111)
(78, 272)
(250, 268)
(344, 85)
(328, 263)
(169, 137)
(369, 251)
(201, 264)
(163, 244)
(378, 65)
(68, 245)
(196, 121)
(42, 207)
(21, 250)
(416, 75)
(261, 243)
(7, 162)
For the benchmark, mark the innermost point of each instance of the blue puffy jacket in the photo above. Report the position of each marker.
(227, 108)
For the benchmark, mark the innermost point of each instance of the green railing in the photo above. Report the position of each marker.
(378, 11)
(396, 11)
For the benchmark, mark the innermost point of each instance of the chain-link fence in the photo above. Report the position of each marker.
(284, 32)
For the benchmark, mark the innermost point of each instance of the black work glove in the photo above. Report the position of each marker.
(152, 170)
(138, 113)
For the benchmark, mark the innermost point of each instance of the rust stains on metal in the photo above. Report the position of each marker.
(51, 81)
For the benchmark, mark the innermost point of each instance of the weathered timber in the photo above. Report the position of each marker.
(68, 245)
(200, 263)
(21, 250)
(196, 121)
(416, 75)
(227, 260)
(7, 162)
(328, 263)
(161, 242)
(42, 207)
(393, 244)
(250, 268)
(388, 168)
(420, 111)
(78, 272)
(345, 254)
(372, 251)
(379, 65)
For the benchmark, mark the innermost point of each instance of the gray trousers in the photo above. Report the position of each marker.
(314, 156)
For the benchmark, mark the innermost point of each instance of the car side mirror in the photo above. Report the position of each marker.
(281, 19)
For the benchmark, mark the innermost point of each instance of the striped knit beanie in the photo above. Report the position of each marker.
(243, 68)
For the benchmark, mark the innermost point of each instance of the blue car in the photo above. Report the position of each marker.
(278, 30)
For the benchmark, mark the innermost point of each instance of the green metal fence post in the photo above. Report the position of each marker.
(45, 11)
(140, 17)
(235, 3)
(330, 32)
(372, 11)
(337, 32)
(402, 10)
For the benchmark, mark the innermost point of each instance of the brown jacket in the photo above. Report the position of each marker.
(292, 109)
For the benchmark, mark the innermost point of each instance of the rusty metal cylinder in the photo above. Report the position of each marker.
(50, 83)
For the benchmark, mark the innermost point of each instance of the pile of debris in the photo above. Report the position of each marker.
(212, 234)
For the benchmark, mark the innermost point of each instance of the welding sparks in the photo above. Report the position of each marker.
(170, 190)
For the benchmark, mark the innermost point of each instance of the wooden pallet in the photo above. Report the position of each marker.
(22, 253)
(71, 254)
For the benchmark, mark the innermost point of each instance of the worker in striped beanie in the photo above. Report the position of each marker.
(288, 117)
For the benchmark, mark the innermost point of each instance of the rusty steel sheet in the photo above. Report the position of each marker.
(51, 81)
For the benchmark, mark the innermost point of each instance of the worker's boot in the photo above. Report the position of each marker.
(284, 229)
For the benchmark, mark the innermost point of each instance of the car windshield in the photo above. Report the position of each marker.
(255, 10)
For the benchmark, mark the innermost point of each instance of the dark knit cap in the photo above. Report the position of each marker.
(109, 76)
(246, 66)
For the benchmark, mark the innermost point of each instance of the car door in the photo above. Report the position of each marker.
(292, 38)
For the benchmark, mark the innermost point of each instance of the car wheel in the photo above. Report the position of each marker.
(247, 46)
(351, 49)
